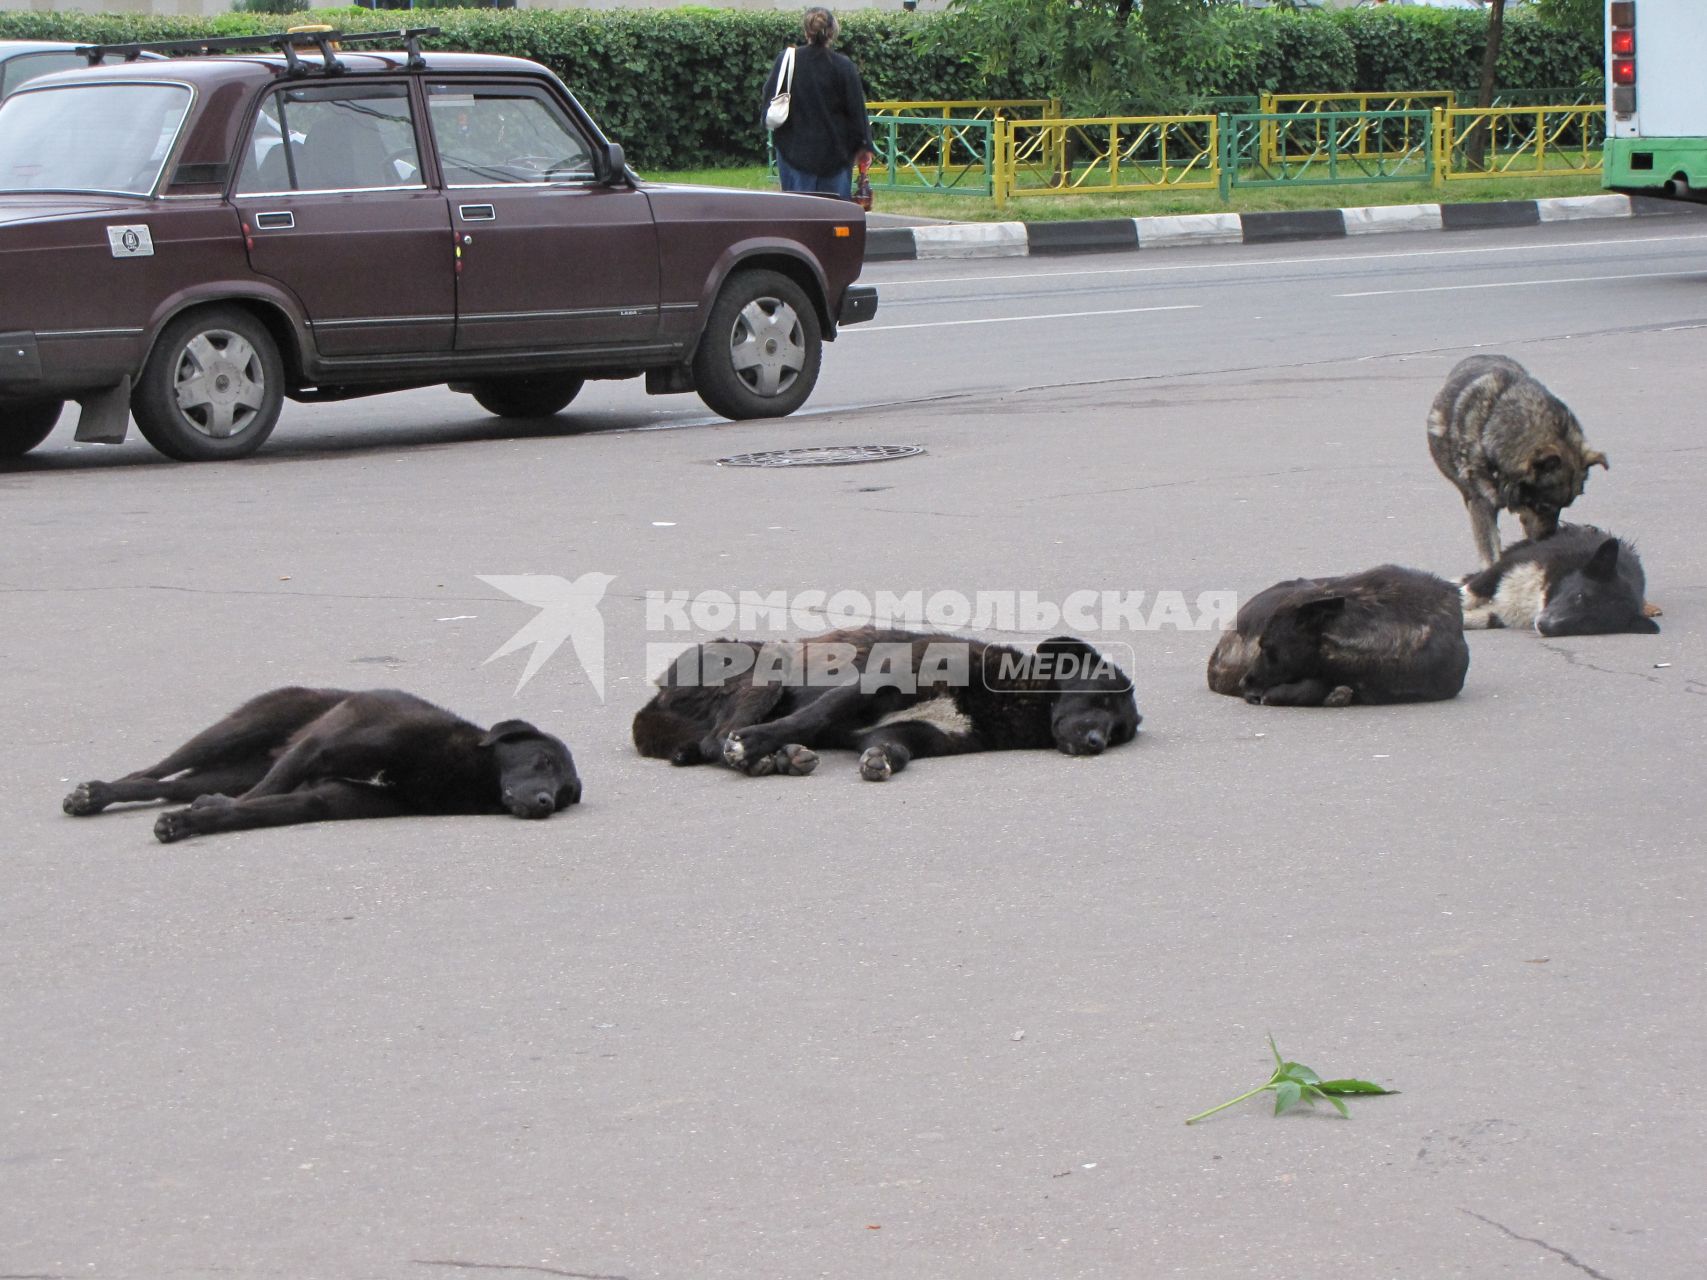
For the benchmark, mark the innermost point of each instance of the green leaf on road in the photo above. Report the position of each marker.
(1293, 1083)
(1353, 1086)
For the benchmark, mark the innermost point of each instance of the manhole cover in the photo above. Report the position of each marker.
(827, 456)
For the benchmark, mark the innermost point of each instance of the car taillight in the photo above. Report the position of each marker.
(1623, 71)
(1624, 43)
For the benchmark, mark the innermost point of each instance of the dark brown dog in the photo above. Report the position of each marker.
(324, 755)
(1385, 635)
(1507, 442)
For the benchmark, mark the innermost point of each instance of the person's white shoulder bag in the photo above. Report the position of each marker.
(776, 115)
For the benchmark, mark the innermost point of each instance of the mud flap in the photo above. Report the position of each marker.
(106, 414)
(670, 380)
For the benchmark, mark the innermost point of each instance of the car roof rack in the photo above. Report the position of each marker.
(285, 42)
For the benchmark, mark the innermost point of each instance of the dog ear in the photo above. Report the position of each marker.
(508, 731)
(1595, 458)
(1603, 564)
(1067, 644)
(1316, 614)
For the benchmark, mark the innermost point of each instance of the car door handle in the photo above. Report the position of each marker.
(280, 221)
(477, 212)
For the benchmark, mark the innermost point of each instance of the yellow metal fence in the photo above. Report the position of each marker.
(1517, 142)
(1104, 155)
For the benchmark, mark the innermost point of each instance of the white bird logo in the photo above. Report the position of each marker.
(567, 611)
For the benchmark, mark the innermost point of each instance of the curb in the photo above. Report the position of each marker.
(1111, 235)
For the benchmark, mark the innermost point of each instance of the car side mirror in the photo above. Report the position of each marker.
(615, 172)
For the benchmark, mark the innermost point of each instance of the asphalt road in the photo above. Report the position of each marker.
(948, 1027)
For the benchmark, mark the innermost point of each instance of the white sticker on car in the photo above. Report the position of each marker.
(130, 242)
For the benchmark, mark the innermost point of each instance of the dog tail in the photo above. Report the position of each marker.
(662, 734)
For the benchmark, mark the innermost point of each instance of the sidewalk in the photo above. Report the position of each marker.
(896, 238)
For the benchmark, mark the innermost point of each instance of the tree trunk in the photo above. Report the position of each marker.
(1476, 142)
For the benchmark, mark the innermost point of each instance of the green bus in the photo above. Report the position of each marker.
(1656, 98)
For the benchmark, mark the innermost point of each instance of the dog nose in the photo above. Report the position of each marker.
(545, 804)
(1095, 741)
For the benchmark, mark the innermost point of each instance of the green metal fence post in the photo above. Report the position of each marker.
(1225, 157)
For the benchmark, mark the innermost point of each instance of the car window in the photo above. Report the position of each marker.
(89, 137)
(343, 138)
(27, 66)
(491, 134)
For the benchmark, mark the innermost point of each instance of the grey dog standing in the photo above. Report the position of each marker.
(1507, 442)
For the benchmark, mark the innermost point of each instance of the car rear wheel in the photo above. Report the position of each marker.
(539, 397)
(24, 426)
(761, 350)
(212, 388)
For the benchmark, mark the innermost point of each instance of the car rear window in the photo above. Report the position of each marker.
(346, 137)
(90, 137)
(15, 72)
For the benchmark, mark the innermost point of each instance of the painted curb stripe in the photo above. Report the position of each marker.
(1188, 229)
(1495, 213)
(1371, 219)
(1300, 224)
(1082, 237)
(1024, 239)
(890, 244)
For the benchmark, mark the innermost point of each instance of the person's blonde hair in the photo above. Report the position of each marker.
(819, 26)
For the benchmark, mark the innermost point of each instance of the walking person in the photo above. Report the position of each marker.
(827, 131)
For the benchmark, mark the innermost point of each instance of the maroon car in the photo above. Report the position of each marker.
(191, 241)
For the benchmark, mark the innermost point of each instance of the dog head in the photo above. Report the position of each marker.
(536, 773)
(1237, 649)
(1597, 599)
(1554, 479)
(1290, 647)
(1094, 707)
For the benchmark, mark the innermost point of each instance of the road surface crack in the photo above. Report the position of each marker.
(1577, 660)
(1553, 1249)
(512, 1266)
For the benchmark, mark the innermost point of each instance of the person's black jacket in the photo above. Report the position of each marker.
(827, 124)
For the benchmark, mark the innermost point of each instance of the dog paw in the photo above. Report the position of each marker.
(1340, 696)
(88, 798)
(875, 765)
(212, 800)
(795, 760)
(173, 826)
(754, 752)
(1652, 610)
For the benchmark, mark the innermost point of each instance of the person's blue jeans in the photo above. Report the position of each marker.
(832, 184)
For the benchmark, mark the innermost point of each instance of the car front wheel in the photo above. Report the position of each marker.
(212, 388)
(539, 397)
(24, 426)
(761, 350)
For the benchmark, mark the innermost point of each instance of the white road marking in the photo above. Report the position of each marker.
(1294, 262)
(1057, 315)
(1521, 284)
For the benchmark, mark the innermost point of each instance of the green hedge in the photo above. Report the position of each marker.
(679, 88)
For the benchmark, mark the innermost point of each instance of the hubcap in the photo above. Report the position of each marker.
(767, 347)
(221, 383)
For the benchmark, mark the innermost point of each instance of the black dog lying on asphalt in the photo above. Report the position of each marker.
(892, 696)
(1582, 581)
(325, 755)
(1385, 635)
